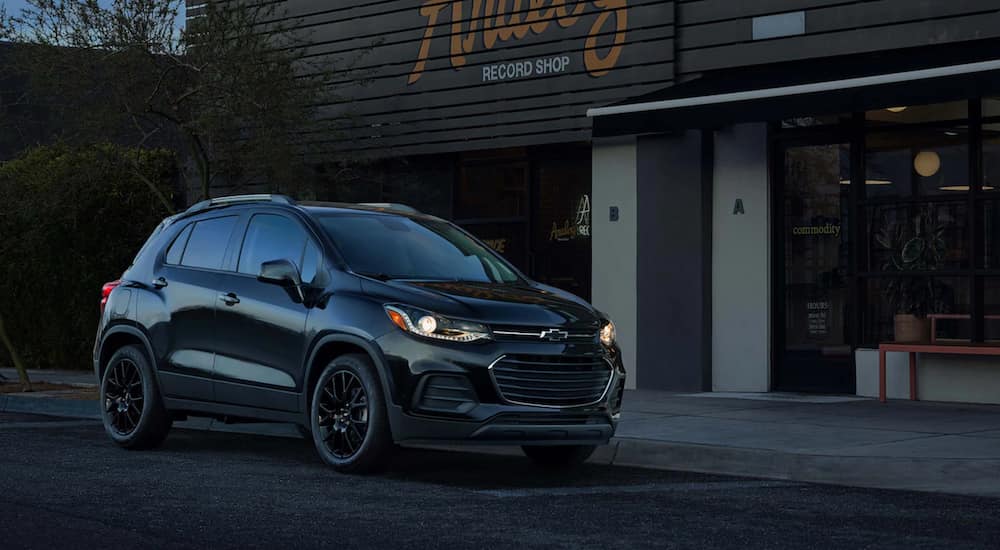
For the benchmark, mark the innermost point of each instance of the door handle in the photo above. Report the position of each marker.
(159, 282)
(229, 299)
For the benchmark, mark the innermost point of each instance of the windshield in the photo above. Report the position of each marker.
(397, 247)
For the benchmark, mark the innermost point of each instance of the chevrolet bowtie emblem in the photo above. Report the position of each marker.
(554, 335)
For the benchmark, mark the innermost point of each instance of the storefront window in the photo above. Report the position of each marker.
(990, 258)
(816, 120)
(940, 228)
(991, 309)
(532, 207)
(991, 106)
(991, 157)
(928, 161)
(918, 222)
(942, 301)
(562, 222)
(492, 191)
(491, 202)
(916, 114)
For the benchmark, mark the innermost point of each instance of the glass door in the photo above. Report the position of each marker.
(814, 347)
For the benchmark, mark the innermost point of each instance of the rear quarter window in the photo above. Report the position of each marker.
(176, 249)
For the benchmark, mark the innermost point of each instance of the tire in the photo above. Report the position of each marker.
(350, 429)
(133, 421)
(558, 456)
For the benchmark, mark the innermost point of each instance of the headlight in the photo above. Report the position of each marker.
(431, 325)
(608, 334)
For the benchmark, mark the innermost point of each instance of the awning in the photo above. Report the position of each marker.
(843, 84)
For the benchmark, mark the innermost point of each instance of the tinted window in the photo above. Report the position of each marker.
(177, 248)
(270, 237)
(411, 248)
(207, 244)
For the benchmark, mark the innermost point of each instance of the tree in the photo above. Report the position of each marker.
(233, 89)
(72, 219)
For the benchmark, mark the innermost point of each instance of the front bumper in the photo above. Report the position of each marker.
(447, 393)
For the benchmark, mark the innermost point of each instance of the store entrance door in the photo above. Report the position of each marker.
(813, 313)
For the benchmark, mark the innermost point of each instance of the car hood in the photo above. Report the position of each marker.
(520, 304)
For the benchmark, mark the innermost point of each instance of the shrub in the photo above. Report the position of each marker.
(71, 219)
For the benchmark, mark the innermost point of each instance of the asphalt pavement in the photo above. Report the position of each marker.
(64, 485)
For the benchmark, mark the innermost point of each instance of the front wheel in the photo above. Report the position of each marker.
(558, 456)
(131, 406)
(349, 422)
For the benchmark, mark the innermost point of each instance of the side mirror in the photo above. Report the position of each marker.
(282, 273)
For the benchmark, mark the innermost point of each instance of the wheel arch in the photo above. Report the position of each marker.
(117, 337)
(331, 346)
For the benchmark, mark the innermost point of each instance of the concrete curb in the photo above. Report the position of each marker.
(71, 408)
(944, 475)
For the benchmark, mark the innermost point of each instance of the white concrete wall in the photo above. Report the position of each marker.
(939, 378)
(613, 287)
(741, 261)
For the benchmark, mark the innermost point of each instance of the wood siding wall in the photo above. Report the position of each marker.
(445, 104)
(716, 34)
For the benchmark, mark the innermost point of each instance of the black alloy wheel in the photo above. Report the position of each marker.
(123, 396)
(343, 414)
(348, 416)
(131, 406)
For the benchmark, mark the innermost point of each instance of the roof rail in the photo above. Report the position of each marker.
(237, 199)
(391, 206)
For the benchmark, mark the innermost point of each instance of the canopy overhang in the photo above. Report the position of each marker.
(843, 84)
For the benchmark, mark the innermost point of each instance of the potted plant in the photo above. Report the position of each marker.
(913, 247)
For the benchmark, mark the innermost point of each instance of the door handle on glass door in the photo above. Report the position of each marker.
(230, 299)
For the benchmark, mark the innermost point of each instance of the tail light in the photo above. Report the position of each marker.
(106, 291)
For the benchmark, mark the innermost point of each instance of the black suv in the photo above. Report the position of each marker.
(366, 325)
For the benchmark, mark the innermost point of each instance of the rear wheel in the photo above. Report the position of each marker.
(350, 427)
(558, 456)
(131, 406)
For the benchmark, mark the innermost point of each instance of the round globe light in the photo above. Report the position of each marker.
(427, 324)
(927, 163)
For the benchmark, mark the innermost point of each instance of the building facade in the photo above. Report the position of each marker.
(733, 182)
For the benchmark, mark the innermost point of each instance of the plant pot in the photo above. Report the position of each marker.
(911, 329)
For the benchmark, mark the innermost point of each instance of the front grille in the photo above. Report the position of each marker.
(517, 333)
(552, 381)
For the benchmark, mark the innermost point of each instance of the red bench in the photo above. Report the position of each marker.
(914, 349)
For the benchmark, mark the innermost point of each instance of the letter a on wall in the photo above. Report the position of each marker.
(738, 207)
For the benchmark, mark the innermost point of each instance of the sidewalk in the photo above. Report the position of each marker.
(938, 447)
(941, 447)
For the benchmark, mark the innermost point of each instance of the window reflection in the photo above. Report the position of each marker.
(941, 228)
(931, 161)
(991, 157)
(948, 312)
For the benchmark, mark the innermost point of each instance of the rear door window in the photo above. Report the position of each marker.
(206, 247)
